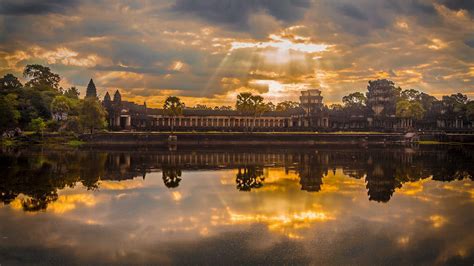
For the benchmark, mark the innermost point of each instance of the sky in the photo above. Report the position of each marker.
(208, 51)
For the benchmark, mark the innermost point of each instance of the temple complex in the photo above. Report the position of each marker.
(124, 115)
(378, 114)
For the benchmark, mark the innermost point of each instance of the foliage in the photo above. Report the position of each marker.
(356, 99)
(60, 107)
(410, 109)
(173, 107)
(38, 125)
(92, 115)
(41, 77)
(9, 84)
(9, 114)
(252, 105)
(72, 93)
(287, 105)
(470, 111)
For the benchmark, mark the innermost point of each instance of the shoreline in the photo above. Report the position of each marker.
(269, 138)
(129, 139)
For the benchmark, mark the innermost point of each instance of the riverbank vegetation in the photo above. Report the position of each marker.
(42, 106)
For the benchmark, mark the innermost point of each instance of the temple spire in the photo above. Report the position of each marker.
(107, 98)
(117, 97)
(91, 90)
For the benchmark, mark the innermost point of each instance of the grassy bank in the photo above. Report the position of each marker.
(49, 139)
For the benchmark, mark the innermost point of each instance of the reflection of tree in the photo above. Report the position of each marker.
(39, 177)
(30, 177)
(249, 177)
(171, 177)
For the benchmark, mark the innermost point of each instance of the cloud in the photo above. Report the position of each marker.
(33, 7)
(236, 13)
(335, 45)
(459, 4)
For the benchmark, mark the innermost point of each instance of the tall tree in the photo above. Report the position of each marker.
(173, 107)
(92, 115)
(251, 105)
(244, 102)
(41, 77)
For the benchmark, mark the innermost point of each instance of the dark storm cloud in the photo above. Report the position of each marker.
(235, 13)
(35, 7)
(459, 4)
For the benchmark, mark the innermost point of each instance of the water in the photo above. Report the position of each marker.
(321, 205)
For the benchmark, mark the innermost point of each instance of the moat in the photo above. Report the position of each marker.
(353, 204)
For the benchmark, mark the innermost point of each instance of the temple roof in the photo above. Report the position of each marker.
(140, 109)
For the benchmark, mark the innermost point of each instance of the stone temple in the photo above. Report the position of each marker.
(124, 115)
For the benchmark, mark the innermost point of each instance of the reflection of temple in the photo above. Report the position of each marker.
(40, 177)
(312, 169)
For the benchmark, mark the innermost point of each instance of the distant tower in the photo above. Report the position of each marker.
(91, 90)
(117, 97)
(311, 100)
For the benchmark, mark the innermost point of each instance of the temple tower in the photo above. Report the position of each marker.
(91, 90)
(117, 97)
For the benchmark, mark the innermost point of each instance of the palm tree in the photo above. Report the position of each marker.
(251, 105)
(173, 107)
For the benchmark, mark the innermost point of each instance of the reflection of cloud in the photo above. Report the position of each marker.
(66, 203)
(437, 220)
(120, 185)
(283, 223)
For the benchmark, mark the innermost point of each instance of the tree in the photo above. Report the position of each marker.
(92, 115)
(72, 93)
(244, 102)
(9, 84)
(335, 107)
(270, 107)
(287, 105)
(171, 177)
(173, 107)
(251, 105)
(356, 99)
(410, 109)
(9, 114)
(411, 95)
(41, 77)
(470, 111)
(455, 105)
(38, 125)
(202, 107)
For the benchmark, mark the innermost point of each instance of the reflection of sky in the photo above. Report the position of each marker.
(206, 219)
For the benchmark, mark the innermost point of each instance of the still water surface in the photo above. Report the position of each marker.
(321, 205)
